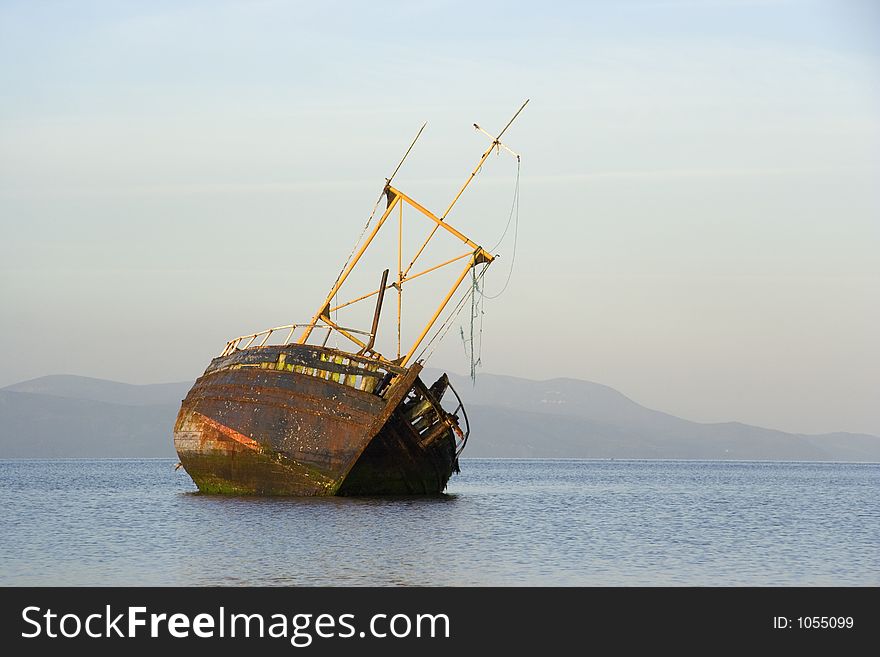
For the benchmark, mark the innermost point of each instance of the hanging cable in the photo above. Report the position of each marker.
(448, 322)
(513, 204)
(473, 345)
(473, 348)
(359, 239)
(514, 215)
(476, 311)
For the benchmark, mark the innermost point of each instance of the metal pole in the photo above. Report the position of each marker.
(433, 319)
(376, 314)
(482, 159)
(326, 304)
(399, 274)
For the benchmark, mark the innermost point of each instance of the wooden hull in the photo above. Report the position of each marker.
(306, 420)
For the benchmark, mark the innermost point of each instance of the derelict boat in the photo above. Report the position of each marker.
(302, 418)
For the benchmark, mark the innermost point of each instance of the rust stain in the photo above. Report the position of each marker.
(250, 443)
(280, 432)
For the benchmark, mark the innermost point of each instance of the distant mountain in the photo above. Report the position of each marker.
(83, 387)
(71, 416)
(567, 418)
(34, 425)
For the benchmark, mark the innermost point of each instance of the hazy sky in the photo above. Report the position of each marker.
(699, 206)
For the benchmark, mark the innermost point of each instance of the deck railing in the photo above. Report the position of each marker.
(235, 344)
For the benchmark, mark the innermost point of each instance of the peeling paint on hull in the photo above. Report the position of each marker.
(305, 420)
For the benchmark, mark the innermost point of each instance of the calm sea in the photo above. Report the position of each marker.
(503, 522)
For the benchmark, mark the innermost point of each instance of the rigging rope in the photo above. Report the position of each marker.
(351, 255)
(476, 291)
(447, 324)
(378, 201)
(359, 239)
(473, 346)
(514, 215)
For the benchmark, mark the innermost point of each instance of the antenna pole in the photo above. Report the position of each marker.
(346, 269)
(495, 142)
(405, 155)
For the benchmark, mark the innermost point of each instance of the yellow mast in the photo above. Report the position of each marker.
(395, 198)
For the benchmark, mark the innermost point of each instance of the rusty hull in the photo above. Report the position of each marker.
(307, 420)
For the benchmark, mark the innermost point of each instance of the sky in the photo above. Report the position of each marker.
(698, 218)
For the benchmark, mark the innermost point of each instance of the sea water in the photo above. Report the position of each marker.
(502, 522)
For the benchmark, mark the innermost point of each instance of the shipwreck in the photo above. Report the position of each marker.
(279, 412)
